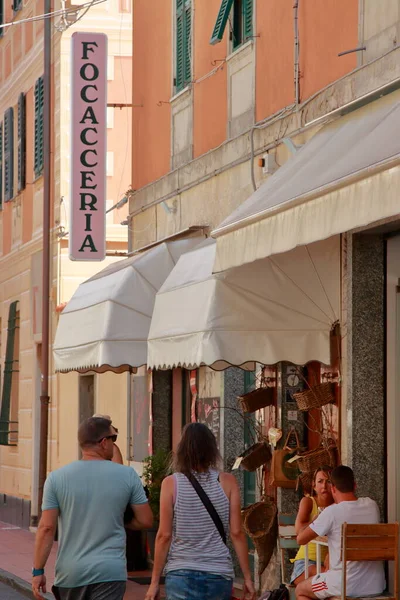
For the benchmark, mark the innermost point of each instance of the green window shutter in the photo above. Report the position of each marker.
(9, 154)
(21, 141)
(17, 5)
(1, 166)
(9, 367)
(220, 23)
(187, 43)
(179, 46)
(183, 44)
(247, 19)
(38, 158)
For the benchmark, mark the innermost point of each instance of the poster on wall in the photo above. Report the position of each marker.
(87, 231)
(208, 412)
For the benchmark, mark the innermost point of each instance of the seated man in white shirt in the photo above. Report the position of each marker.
(363, 578)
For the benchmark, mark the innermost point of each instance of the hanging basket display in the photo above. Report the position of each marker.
(261, 525)
(305, 480)
(315, 397)
(258, 518)
(256, 399)
(313, 459)
(257, 455)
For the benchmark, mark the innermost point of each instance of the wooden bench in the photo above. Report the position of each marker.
(378, 542)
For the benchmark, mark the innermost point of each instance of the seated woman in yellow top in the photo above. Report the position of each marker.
(309, 509)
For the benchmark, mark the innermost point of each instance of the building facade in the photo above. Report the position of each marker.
(21, 235)
(228, 95)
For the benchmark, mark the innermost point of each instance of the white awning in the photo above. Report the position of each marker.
(346, 176)
(106, 323)
(275, 309)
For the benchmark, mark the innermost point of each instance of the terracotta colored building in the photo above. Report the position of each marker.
(228, 94)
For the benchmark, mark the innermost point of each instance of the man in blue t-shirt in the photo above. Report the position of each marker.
(89, 497)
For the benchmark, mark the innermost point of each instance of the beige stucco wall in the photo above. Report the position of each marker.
(110, 399)
(18, 466)
(379, 27)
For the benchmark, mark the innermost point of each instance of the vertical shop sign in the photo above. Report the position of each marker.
(88, 146)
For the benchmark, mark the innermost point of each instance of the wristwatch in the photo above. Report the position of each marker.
(37, 572)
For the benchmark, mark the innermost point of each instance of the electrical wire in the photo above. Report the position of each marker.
(56, 13)
(85, 11)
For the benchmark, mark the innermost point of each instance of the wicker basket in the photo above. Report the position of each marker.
(313, 459)
(305, 479)
(260, 521)
(256, 399)
(258, 518)
(257, 455)
(315, 397)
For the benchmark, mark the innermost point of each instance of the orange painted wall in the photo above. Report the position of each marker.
(274, 56)
(7, 224)
(152, 83)
(326, 28)
(209, 95)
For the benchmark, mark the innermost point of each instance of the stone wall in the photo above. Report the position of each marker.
(366, 370)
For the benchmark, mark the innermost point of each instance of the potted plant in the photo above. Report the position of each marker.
(155, 469)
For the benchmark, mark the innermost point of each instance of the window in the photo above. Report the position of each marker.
(1, 165)
(183, 44)
(9, 154)
(242, 26)
(17, 5)
(38, 160)
(21, 142)
(10, 394)
(242, 22)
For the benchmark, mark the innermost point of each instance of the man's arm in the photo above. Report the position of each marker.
(321, 526)
(45, 537)
(143, 517)
(306, 535)
(43, 543)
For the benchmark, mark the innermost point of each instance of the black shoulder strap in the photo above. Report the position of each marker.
(208, 506)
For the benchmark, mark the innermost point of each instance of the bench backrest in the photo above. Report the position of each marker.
(370, 543)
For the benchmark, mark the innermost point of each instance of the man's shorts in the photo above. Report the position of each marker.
(109, 590)
(326, 585)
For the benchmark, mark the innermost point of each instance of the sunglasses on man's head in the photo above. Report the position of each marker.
(108, 437)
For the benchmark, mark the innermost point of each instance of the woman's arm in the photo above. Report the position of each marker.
(117, 456)
(303, 518)
(237, 534)
(164, 535)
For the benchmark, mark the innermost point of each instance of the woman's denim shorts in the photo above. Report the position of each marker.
(299, 566)
(197, 585)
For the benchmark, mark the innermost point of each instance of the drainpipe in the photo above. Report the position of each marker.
(44, 388)
(296, 53)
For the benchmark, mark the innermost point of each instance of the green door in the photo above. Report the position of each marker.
(249, 478)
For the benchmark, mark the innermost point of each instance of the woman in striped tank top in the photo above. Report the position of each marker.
(197, 562)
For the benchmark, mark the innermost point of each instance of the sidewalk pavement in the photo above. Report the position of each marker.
(16, 557)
